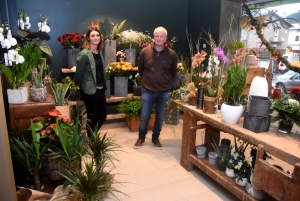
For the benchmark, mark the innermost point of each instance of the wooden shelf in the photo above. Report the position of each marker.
(114, 99)
(69, 70)
(221, 178)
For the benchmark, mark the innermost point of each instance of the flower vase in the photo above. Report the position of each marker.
(121, 86)
(131, 56)
(230, 172)
(107, 91)
(72, 55)
(285, 126)
(137, 90)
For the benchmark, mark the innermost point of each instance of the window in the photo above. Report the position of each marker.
(297, 38)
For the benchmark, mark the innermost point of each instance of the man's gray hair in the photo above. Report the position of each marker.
(160, 28)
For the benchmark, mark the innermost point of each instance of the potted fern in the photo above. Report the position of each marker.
(38, 91)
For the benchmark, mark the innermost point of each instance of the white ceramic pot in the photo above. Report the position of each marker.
(17, 95)
(212, 157)
(231, 114)
(259, 87)
(242, 182)
(258, 194)
(201, 156)
(230, 172)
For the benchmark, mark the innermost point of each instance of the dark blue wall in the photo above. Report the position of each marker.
(76, 15)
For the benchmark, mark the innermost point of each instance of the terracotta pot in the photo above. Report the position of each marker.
(192, 100)
(134, 123)
(209, 105)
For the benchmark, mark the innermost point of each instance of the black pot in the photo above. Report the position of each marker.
(74, 95)
(221, 165)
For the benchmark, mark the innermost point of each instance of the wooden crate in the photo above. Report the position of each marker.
(252, 72)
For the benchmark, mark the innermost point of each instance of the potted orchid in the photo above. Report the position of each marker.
(18, 64)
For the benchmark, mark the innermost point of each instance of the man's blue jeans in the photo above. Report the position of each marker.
(148, 100)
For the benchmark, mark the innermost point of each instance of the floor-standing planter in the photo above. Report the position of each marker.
(72, 55)
(107, 91)
(121, 86)
(134, 123)
(110, 51)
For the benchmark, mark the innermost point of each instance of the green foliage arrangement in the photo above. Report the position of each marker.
(30, 153)
(111, 31)
(235, 45)
(131, 107)
(19, 73)
(38, 77)
(223, 152)
(233, 87)
(59, 91)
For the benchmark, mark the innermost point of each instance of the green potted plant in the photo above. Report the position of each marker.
(131, 108)
(30, 152)
(38, 91)
(171, 110)
(73, 93)
(232, 96)
(223, 152)
(137, 84)
(59, 91)
(21, 62)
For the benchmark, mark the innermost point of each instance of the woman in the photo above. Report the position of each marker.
(91, 78)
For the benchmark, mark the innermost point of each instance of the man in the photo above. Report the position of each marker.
(157, 66)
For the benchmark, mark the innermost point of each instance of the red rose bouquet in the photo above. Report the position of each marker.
(71, 40)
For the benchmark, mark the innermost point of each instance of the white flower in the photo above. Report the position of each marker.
(130, 77)
(19, 59)
(10, 39)
(5, 44)
(1, 30)
(235, 155)
(1, 37)
(137, 75)
(45, 28)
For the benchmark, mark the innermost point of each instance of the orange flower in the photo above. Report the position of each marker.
(198, 58)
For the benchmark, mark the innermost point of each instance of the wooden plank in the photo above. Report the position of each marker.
(275, 182)
(221, 178)
(114, 99)
(188, 140)
(115, 116)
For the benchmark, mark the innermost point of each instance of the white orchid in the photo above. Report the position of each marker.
(13, 55)
(1, 30)
(27, 23)
(9, 41)
(1, 37)
(43, 27)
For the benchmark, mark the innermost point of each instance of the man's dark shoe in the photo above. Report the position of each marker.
(156, 143)
(139, 143)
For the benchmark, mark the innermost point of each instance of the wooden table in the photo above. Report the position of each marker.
(20, 114)
(285, 147)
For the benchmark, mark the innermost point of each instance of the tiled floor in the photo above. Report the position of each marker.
(148, 174)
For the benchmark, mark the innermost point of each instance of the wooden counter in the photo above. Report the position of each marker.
(283, 146)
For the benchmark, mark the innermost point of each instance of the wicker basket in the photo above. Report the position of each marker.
(54, 167)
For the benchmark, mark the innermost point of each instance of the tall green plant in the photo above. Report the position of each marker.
(233, 87)
(38, 77)
(72, 141)
(30, 154)
(59, 91)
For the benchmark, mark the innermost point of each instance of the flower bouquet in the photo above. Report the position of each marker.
(121, 69)
(120, 55)
(71, 40)
(288, 110)
(130, 39)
